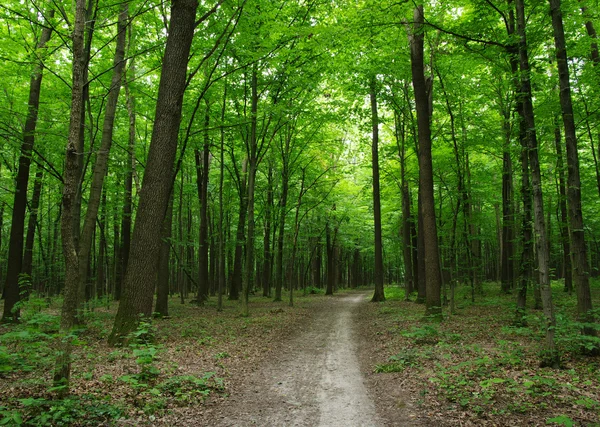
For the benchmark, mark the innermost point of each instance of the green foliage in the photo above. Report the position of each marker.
(187, 389)
(421, 335)
(399, 362)
(561, 420)
(84, 411)
(141, 341)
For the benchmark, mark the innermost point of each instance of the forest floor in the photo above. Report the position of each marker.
(329, 361)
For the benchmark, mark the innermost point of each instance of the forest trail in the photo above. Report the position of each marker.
(314, 380)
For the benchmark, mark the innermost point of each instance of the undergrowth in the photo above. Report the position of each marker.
(479, 366)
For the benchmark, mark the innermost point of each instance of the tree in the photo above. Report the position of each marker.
(578, 248)
(12, 291)
(433, 276)
(378, 295)
(140, 278)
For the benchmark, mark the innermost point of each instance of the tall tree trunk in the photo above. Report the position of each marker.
(202, 164)
(295, 241)
(69, 200)
(101, 264)
(567, 271)
(248, 282)
(162, 294)
(550, 356)
(267, 236)
(433, 276)
(32, 224)
(140, 279)
(409, 283)
(282, 214)
(15, 244)
(507, 255)
(101, 164)
(330, 244)
(379, 294)
(128, 202)
(240, 237)
(578, 248)
(222, 255)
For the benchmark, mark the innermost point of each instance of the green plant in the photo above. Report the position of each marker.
(425, 334)
(399, 362)
(561, 420)
(186, 389)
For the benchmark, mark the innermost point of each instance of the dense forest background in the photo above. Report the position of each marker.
(264, 147)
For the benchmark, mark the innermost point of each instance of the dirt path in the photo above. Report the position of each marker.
(314, 380)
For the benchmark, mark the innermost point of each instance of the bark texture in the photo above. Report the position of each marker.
(15, 244)
(579, 259)
(379, 294)
(433, 276)
(141, 276)
(550, 356)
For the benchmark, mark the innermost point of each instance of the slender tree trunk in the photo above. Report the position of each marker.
(379, 294)
(69, 200)
(409, 283)
(162, 294)
(267, 236)
(101, 164)
(248, 282)
(101, 264)
(202, 165)
(295, 242)
(551, 357)
(32, 224)
(282, 215)
(330, 243)
(140, 279)
(433, 276)
(15, 244)
(578, 246)
(128, 202)
(236, 279)
(507, 258)
(567, 271)
(222, 255)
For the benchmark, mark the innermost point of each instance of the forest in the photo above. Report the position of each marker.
(214, 175)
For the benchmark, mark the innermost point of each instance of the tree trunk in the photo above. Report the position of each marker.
(32, 224)
(379, 294)
(550, 356)
(202, 165)
(222, 255)
(507, 262)
(252, 151)
(240, 237)
(15, 244)
(282, 215)
(433, 276)
(102, 157)
(128, 202)
(267, 236)
(69, 200)
(162, 294)
(141, 276)
(101, 264)
(567, 272)
(578, 248)
(330, 258)
(409, 283)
